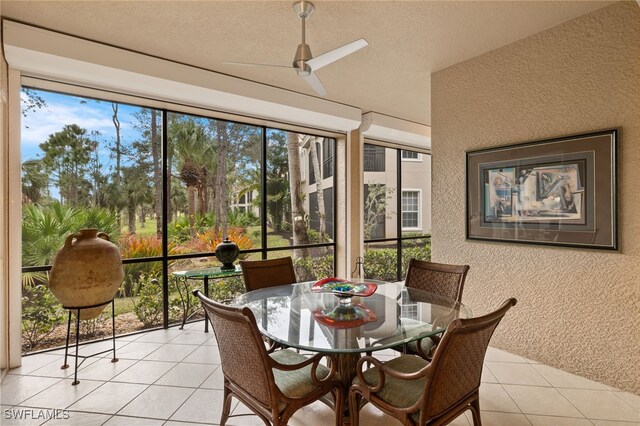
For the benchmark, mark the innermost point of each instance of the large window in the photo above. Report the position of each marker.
(167, 187)
(396, 220)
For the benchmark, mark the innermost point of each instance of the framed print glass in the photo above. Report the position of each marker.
(556, 192)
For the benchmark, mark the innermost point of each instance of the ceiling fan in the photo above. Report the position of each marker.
(303, 62)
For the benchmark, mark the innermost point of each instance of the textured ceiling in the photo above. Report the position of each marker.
(408, 40)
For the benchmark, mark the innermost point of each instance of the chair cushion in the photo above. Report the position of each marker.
(296, 383)
(426, 344)
(397, 392)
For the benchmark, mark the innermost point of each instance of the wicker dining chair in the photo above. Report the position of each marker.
(272, 385)
(267, 273)
(418, 392)
(440, 279)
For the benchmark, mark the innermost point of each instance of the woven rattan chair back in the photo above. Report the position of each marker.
(437, 278)
(243, 355)
(267, 273)
(457, 363)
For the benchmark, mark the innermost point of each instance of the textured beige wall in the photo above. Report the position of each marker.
(578, 309)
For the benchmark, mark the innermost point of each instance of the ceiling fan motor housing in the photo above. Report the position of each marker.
(303, 54)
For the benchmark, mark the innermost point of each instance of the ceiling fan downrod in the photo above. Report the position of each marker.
(303, 9)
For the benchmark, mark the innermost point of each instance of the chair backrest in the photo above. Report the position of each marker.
(267, 273)
(243, 355)
(438, 278)
(457, 362)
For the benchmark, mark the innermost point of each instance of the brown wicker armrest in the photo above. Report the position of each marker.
(383, 371)
(314, 361)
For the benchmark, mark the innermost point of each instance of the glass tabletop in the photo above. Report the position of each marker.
(296, 316)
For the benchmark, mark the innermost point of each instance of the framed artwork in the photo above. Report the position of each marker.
(554, 192)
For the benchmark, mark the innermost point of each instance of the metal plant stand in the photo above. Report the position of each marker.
(77, 310)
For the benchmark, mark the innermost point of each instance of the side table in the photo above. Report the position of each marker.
(183, 277)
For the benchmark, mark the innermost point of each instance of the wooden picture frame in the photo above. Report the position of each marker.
(559, 192)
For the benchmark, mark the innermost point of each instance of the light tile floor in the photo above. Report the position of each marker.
(173, 378)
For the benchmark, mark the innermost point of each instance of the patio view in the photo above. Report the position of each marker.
(89, 163)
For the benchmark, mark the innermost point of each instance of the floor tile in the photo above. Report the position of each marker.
(516, 374)
(494, 354)
(189, 375)
(77, 418)
(494, 418)
(493, 397)
(144, 372)
(487, 376)
(137, 350)
(204, 355)
(603, 405)
(613, 423)
(158, 336)
(562, 379)
(557, 421)
(370, 415)
(31, 363)
(174, 423)
(105, 345)
(132, 421)
(170, 352)
(192, 410)
(215, 380)
(21, 388)
(158, 402)
(104, 369)
(630, 398)
(54, 370)
(62, 394)
(23, 416)
(192, 337)
(542, 400)
(109, 398)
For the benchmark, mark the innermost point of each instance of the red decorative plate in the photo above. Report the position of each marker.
(341, 287)
(345, 316)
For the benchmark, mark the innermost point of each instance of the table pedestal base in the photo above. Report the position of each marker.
(346, 367)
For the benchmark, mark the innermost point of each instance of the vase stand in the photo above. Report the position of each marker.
(77, 310)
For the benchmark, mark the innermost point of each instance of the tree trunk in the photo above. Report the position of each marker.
(156, 153)
(319, 189)
(191, 201)
(117, 179)
(299, 224)
(131, 215)
(221, 199)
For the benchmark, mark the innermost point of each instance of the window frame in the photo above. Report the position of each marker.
(164, 108)
(411, 159)
(419, 211)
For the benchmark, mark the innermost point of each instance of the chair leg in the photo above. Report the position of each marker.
(226, 408)
(475, 412)
(354, 411)
(337, 405)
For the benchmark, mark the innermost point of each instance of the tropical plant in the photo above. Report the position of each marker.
(313, 268)
(41, 314)
(209, 239)
(147, 300)
(45, 228)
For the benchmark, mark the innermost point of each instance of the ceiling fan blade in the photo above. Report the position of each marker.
(313, 81)
(248, 64)
(335, 54)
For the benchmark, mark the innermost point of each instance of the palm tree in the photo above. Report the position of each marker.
(191, 146)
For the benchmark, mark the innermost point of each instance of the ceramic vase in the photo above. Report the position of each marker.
(227, 252)
(87, 271)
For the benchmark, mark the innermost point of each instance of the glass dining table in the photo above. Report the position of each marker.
(298, 317)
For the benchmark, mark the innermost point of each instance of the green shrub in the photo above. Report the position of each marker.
(147, 300)
(381, 264)
(313, 268)
(41, 314)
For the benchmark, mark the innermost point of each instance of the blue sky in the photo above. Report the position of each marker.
(66, 109)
